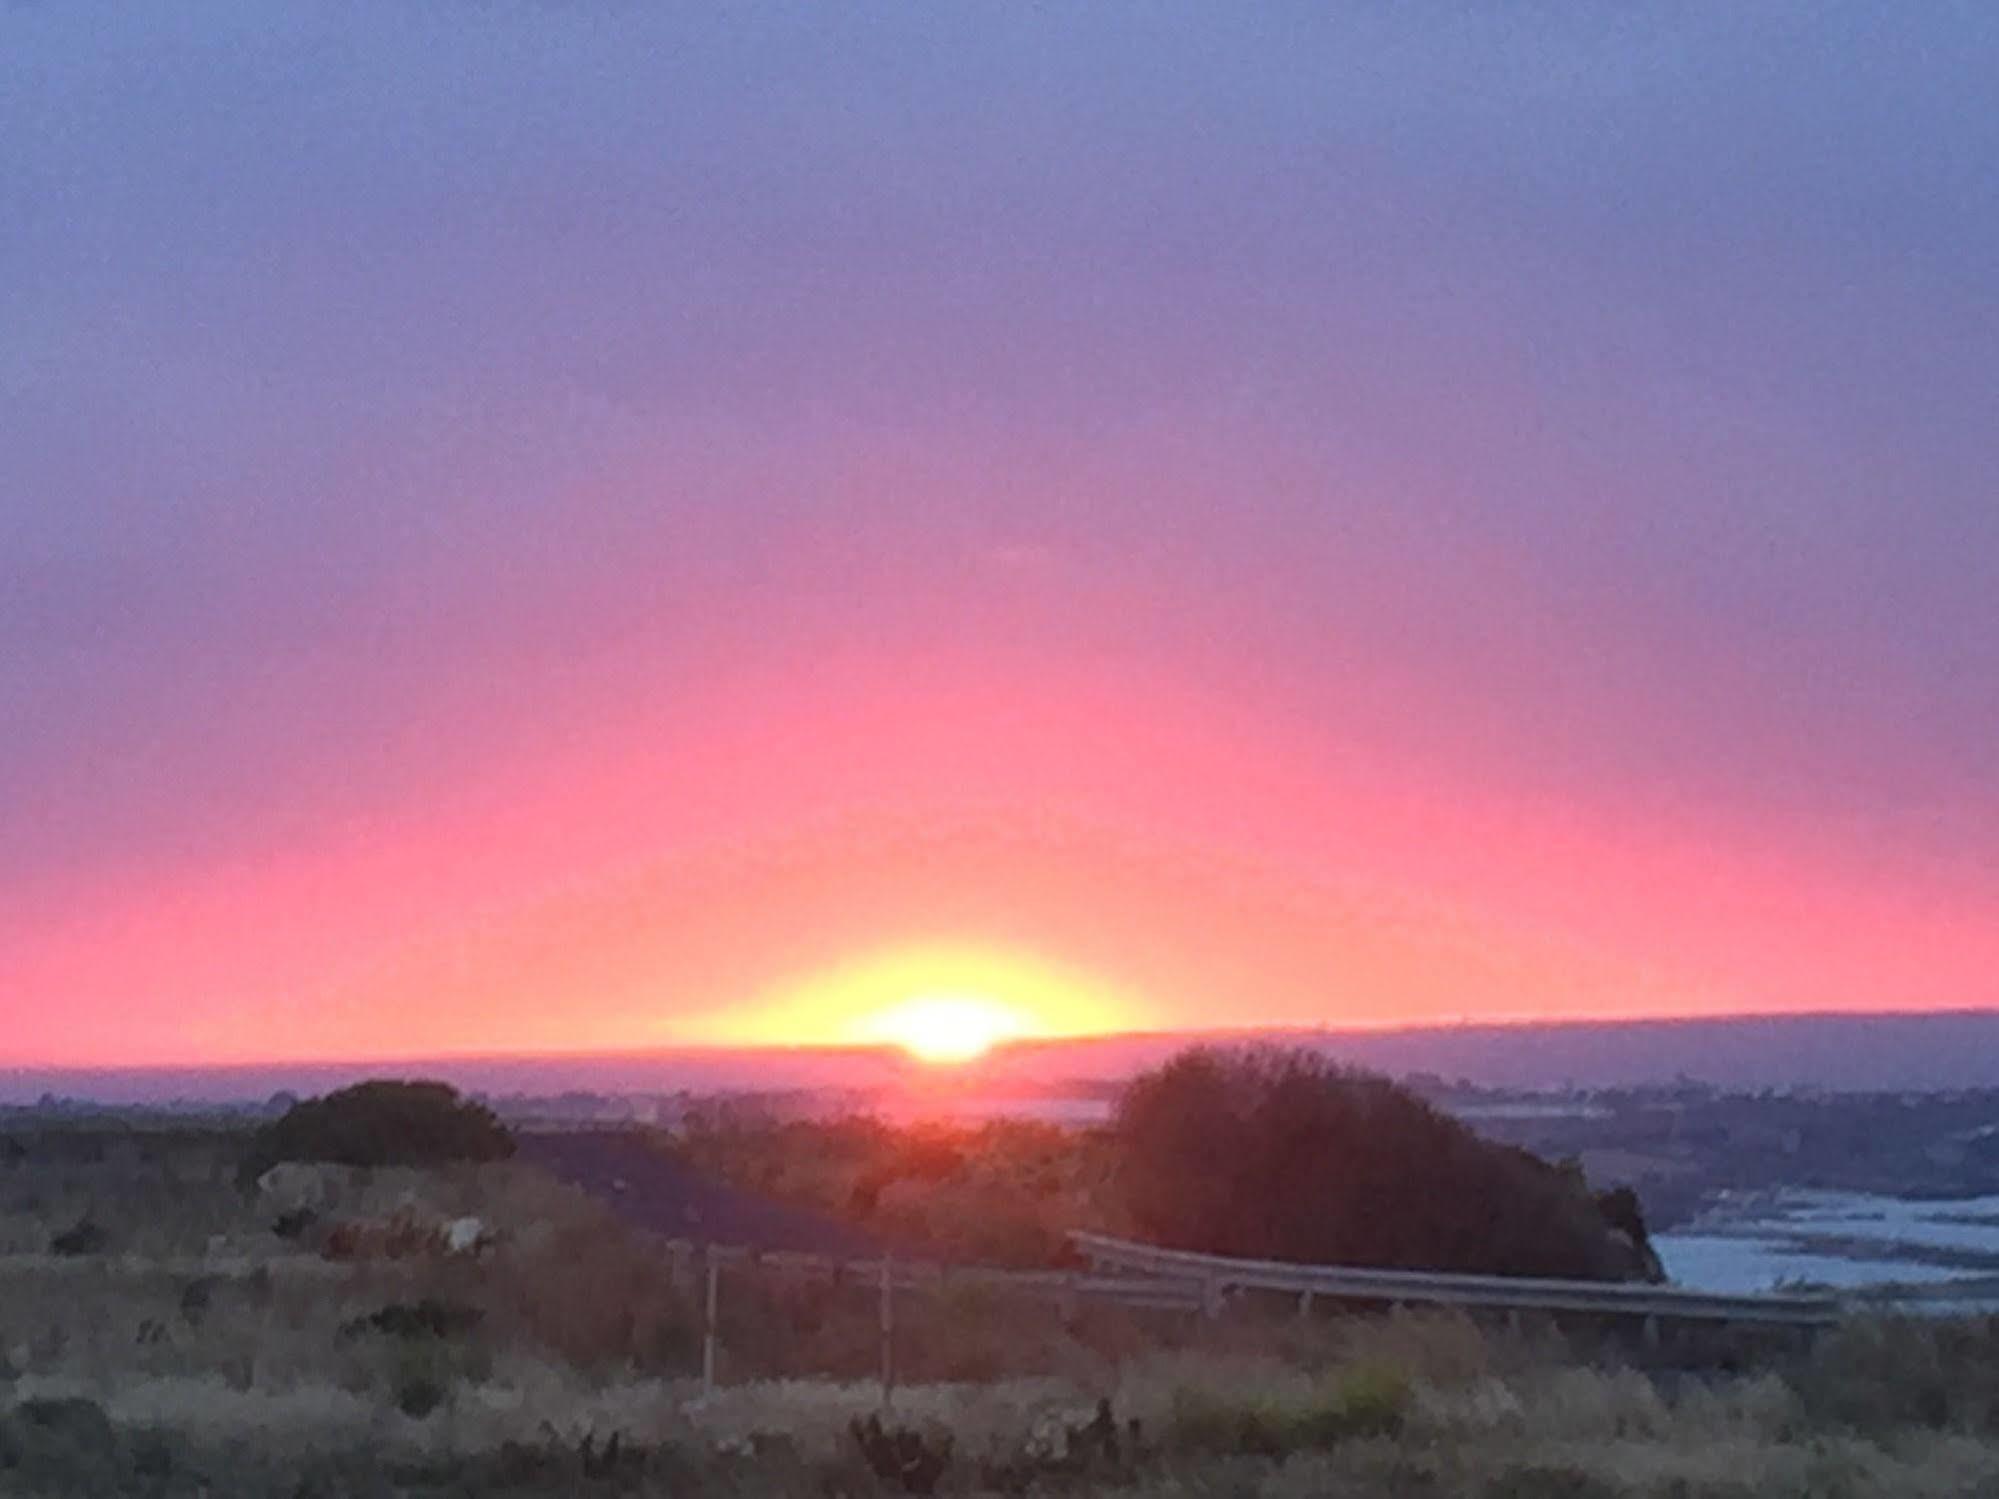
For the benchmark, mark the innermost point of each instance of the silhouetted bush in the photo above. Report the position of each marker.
(428, 1318)
(58, 1445)
(381, 1123)
(1275, 1154)
(196, 1297)
(419, 1393)
(902, 1456)
(85, 1238)
(1620, 1209)
(293, 1223)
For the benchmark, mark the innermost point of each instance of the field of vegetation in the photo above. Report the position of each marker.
(1002, 1192)
(1260, 1153)
(182, 1315)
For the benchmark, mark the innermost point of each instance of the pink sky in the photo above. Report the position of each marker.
(564, 530)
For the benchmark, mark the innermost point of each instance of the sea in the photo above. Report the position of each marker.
(1936, 1255)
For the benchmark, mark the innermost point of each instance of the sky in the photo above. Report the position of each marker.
(575, 527)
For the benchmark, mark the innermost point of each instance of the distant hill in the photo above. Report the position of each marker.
(1911, 1052)
(1904, 1052)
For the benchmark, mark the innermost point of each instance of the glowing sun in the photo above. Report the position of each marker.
(940, 1001)
(946, 1027)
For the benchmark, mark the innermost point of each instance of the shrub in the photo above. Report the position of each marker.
(1876, 1374)
(58, 1445)
(87, 1237)
(381, 1123)
(1205, 1423)
(70, 1419)
(196, 1297)
(1275, 1154)
(903, 1456)
(1619, 1207)
(1372, 1401)
(293, 1223)
(428, 1318)
(418, 1393)
(1361, 1402)
(1540, 1481)
(421, 1376)
(591, 1293)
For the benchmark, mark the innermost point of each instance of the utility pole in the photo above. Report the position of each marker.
(888, 1330)
(708, 1323)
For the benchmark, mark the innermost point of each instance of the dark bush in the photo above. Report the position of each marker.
(294, 1223)
(70, 1418)
(1061, 1453)
(902, 1456)
(381, 1124)
(418, 1394)
(428, 1318)
(1619, 1207)
(58, 1445)
(196, 1297)
(1275, 1154)
(86, 1238)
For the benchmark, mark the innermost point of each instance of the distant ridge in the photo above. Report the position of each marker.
(1839, 1052)
(1886, 1052)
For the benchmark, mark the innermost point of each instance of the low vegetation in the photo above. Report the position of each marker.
(1278, 1154)
(191, 1348)
(1002, 1192)
(381, 1123)
(1258, 1152)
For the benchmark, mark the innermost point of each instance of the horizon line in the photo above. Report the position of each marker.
(890, 1051)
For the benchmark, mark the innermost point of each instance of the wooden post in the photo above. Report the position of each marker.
(708, 1322)
(888, 1330)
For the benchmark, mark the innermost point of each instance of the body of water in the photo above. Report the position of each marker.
(1940, 1253)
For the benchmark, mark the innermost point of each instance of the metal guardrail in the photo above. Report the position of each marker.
(1216, 1274)
(1129, 1274)
(1068, 1286)
(1178, 1281)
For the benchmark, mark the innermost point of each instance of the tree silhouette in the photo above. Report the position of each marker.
(1279, 1154)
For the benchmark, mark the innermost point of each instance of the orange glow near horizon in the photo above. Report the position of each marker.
(773, 531)
(796, 859)
(940, 1002)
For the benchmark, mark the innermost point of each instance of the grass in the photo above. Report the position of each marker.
(1278, 1422)
(1000, 1192)
(198, 1350)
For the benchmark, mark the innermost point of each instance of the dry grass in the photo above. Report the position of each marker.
(217, 1351)
(1003, 1191)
